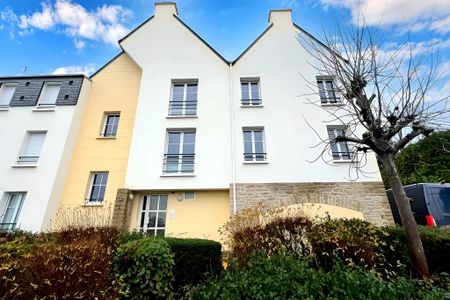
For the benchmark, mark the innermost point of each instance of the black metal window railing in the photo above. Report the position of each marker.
(254, 156)
(178, 163)
(7, 226)
(332, 100)
(46, 104)
(183, 108)
(28, 158)
(93, 200)
(342, 155)
(251, 101)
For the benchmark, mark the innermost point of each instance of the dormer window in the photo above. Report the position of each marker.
(49, 94)
(327, 90)
(6, 92)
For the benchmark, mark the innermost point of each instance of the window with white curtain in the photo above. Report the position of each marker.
(340, 150)
(31, 148)
(254, 146)
(49, 94)
(6, 92)
(10, 209)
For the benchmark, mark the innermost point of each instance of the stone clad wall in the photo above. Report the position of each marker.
(122, 209)
(367, 197)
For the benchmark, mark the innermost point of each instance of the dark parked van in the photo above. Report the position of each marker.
(429, 199)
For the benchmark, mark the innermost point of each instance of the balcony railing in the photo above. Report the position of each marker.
(7, 226)
(178, 163)
(343, 155)
(251, 101)
(183, 108)
(28, 159)
(333, 100)
(253, 156)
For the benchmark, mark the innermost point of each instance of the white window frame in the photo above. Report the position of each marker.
(343, 153)
(253, 143)
(105, 124)
(184, 107)
(88, 199)
(23, 159)
(7, 199)
(43, 90)
(328, 100)
(7, 84)
(251, 99)
(192, 198)
(180, 151)
(145, 214)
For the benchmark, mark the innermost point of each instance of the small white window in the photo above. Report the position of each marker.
(327, 90)
(153, 214)
(254, 145)
(111, 123)
(9, 211)
(183, 100)
(250, 92)
(339, 150)
(31, 148)
(6, 92)
(97, 188)
(179, 154)
(49, 94)
(189, 196)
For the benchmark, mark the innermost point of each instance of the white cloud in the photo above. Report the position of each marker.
(105, 23)
(418, 14)
(79, 44)
(43, 20)
(87, 70)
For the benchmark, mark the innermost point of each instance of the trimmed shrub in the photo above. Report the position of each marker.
(279, 236)
(146, 268)
(286, 277)
(74, 264)
(195, 260)
(436, 243)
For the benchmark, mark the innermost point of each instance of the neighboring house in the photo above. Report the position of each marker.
(175, 138)
(39, 121)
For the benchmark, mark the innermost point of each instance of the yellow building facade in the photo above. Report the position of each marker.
(114, 90)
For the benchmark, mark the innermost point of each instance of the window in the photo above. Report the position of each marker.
(189, 196)
(153, 214)
(180, 152)
(183, 101)
(110, 125)
(6, 92)
(250, 92)
(327, 91)
(97, 187)
(9, 212)
(254, 149)
(31, 148)
(49, 94)
(339, 150)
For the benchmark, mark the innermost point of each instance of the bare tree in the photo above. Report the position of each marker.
(384, 105)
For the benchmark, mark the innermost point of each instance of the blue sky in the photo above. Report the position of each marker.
(63, 36)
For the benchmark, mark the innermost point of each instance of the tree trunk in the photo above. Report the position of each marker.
(417, 253)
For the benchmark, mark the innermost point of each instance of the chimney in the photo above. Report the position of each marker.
(165, 9)
(280, 17)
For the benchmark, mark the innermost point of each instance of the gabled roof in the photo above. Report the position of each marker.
(187, 27)
(252, 44)
(106, 64)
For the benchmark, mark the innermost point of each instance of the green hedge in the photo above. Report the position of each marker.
(287, 277)
(436, 243)
(195, 260)
(146, 268)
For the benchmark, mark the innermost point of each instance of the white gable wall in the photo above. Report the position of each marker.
(165, 50)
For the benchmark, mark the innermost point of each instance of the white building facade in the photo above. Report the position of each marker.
(207, 124)
(39, 122)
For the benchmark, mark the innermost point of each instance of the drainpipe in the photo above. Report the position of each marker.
(233, 154)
